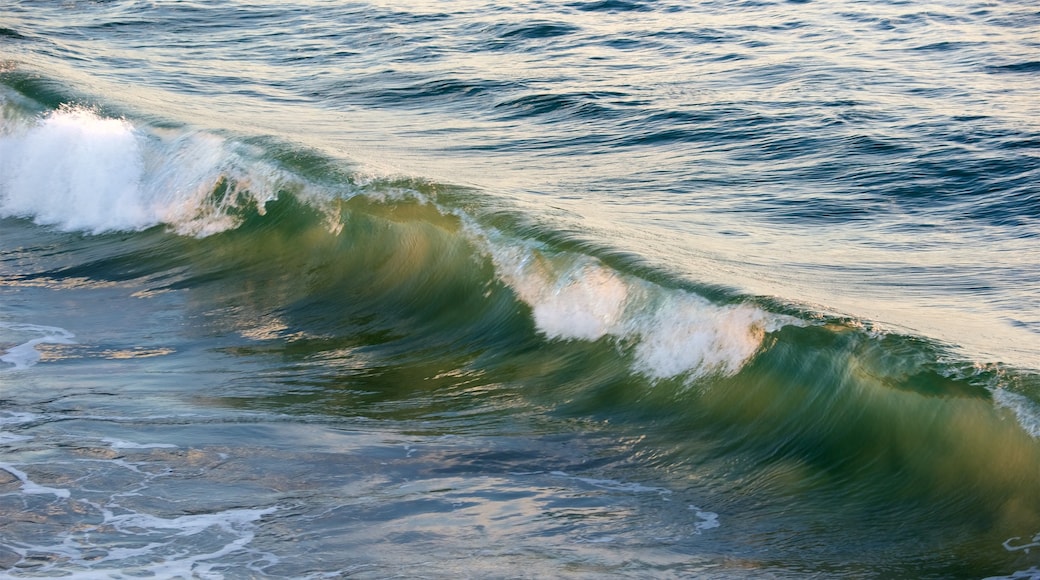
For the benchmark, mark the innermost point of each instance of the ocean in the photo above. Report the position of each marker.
(572, 289)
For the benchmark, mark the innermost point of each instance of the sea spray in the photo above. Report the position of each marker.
(103, 174)
(76, 170)
(675, 332)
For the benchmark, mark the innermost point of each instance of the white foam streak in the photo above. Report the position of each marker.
(1029, 574)
(708, 520)
(187, 525)
(238, 522)
(167, 553)
(15, 418)
(31, 487)
(1026, 411)
(613, 484)
(25, 355)
(120, 444)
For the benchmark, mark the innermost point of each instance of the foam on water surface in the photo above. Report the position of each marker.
(89, 167)
(614, 485)
(103, 174)
(25, 355)
(675, 332)
(133, 509)
(29, 486)
(8, 419)
(1028, 574)
(120, 444)
(708, 520)
(115, 540)
(1026, 411)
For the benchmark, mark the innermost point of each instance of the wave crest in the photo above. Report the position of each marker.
(674, 332)
(104, 175)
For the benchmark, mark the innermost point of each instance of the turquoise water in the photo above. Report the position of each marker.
(575, 290)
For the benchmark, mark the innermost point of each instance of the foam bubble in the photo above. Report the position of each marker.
(25, 355)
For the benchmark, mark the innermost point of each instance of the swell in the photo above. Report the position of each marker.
(396, 312)
(312, 236)
(404, 299)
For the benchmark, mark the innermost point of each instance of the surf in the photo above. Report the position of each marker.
(414, 289)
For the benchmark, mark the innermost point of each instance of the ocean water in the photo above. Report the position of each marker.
(578, 289)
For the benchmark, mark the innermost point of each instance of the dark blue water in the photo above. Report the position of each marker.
(577, 289)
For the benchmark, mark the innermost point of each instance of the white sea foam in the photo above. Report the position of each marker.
(686, 333)
(675, 332)
(614, 485)
(117, 540)
(18, 418)
(582, 300)
(79, 171)
(238, 523)
(172, 556)
(15, 418)
(59, 170)
(120, 444)
(1018, 543)
(186, 525)
(1026, 411)
(31, 487)
(1028, 574)
(708, 520)
(25, 354)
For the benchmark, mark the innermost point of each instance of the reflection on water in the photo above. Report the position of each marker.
(191, 496)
